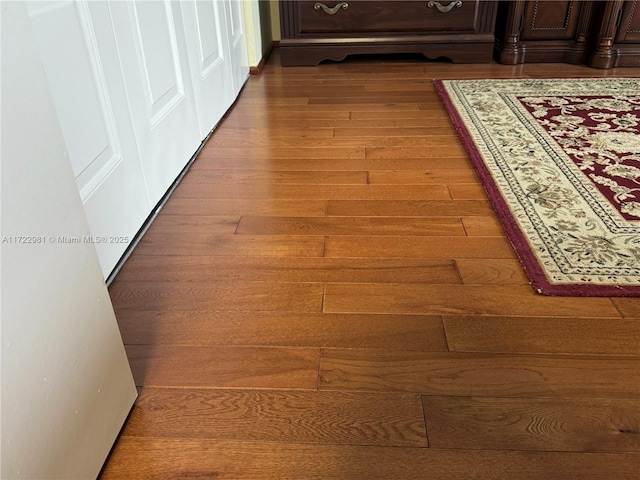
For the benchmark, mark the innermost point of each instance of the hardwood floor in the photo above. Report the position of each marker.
(328, 294)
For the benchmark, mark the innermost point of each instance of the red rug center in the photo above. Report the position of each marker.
(601, 135)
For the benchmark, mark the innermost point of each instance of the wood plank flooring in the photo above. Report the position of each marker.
(328, 295)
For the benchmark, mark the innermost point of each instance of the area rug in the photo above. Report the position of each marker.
(560, 162)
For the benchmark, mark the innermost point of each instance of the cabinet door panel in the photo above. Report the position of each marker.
(629, 29)
(550, 20)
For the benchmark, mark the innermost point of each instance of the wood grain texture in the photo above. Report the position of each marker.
(329, 274)
(275, 177)
(218, 296)
(423, 142)
(395, 132)
(350, 225)
(224, 366)
(486, 226)
(190, 243)
(415, 114)
(418, 247)
(469, 374)
(420, 177)
(416, 85)
(467, 191)
(491, 271)
(456, 299)
(262, 268)
(312, 192)
(543, 335)
(297, 132)
(243, 141)
(409, 208)
(406, 332)
(169, 458)
(343, 104)
(441, 151)
(301, 163)
(628, 307)
(178, 224)
(373, 98)
(354, 125)
(225, 207)
(339, 153)
(242, 114)
(551, 424)
(279, 416)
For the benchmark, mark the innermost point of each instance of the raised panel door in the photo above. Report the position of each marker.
(77, 47)
(153, 55)
(237, 43)
(543, 31)
(208, 52)
(550, 20)
(137, 86)
(629, 27)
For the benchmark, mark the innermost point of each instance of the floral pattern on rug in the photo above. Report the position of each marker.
(560, 160)
(601, 135)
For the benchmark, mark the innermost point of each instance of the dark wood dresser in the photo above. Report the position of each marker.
(617, 35)
(460, 30)
(602, 34)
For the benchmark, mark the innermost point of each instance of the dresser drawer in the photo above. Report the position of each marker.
(391, 16)
(315, 31)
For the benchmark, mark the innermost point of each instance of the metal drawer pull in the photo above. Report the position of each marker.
(442, 8)
(331, 10)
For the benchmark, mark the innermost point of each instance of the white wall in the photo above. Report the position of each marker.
(275, 20)
(66, 383)
(252, 27)
(259, 30)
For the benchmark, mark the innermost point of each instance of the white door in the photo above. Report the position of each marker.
(237, 43)
(153, 54)
(66, 384)
(209, 60)
(78, 50)
(137, 87)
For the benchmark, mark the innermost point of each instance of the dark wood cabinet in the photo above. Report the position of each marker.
(617, 40)
(629, 29)
(461, 30)
(543, 31)
(602, 34)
